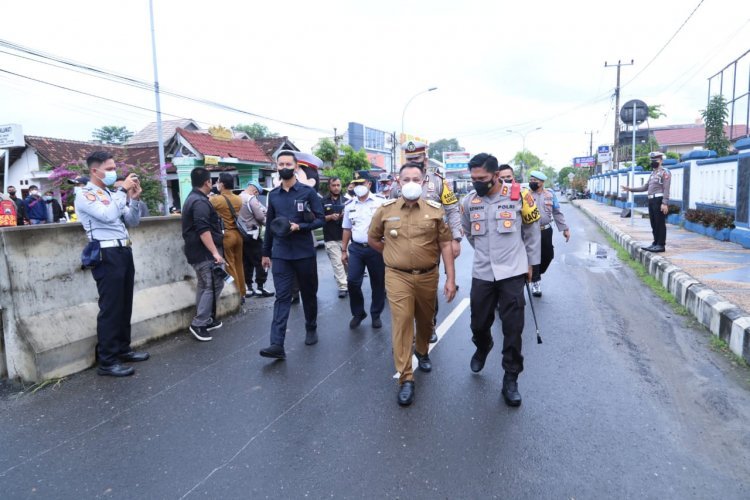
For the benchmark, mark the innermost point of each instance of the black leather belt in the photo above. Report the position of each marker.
(414, 271)
(363, 245)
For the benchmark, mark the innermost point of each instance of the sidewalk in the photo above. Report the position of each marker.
(710, 278)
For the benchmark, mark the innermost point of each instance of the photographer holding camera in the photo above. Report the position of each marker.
(202, 231)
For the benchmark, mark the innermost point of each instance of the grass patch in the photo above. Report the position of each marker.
(649, 280)
(722, 347)
(53, 382)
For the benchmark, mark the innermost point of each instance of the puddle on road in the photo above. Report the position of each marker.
(596, 258)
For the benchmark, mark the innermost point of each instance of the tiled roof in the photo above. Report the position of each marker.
(270, 145)
(168, 128)
(691, 135)
(56, 152)
(241, 149)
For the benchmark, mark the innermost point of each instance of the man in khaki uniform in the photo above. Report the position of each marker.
(412, 235)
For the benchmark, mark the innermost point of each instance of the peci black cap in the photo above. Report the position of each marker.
(280, 227)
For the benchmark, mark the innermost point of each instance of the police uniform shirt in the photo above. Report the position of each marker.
(503, 233)
(549, 209)
(105, 215)
(301, 205)
(358, 215)
(252, 212)
(412, 234)
(658, 183)
(436, 188)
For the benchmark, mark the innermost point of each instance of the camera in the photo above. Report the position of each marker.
(220, 273)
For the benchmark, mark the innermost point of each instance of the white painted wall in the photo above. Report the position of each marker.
(714, 183)
(25, 171)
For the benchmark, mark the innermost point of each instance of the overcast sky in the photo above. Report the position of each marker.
(497, 65)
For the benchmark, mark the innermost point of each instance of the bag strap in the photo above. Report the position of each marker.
(231, 208)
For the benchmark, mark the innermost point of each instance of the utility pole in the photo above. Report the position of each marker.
(617, 109)
(336, 138)
(590, 133)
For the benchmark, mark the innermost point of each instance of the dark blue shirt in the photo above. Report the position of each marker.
(301, 205)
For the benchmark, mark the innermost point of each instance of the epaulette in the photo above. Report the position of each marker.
(437, 174)
(389, 202)
(348, 201)
(434, 204)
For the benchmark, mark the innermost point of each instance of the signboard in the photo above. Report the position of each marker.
(11, 136)
(456, 161)
(603, 154)
(584, 161)
(210, 160)
(639, 107)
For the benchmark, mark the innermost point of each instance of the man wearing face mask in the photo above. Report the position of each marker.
(104, 215)
(54, 210)
(36, 209)
(657, 189)
(436, 188)
(20, 206)
(412, 235)
(294, 210)
(546, 200)
(358, 255)
(499, 220)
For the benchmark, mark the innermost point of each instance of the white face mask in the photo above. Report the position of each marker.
(411, 191)
(361, 191)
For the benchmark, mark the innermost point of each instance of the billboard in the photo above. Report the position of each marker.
(456, 161)
(603, 154)
(11, 136)
(584, 161)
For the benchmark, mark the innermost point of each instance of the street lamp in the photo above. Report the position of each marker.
(409, 102)
(523, 150)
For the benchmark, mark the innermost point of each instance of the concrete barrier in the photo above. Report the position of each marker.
(49, 305)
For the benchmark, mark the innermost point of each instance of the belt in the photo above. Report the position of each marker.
(414, 271)
(657, 195)
(115, 243)
(363, 245)
(546, 226)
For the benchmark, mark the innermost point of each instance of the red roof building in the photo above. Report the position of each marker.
(685, 138)
(203, 144)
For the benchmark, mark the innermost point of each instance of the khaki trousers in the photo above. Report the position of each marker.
(233, 256)
(412, 300)
(333, 249)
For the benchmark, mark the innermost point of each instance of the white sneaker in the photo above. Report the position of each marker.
(536, 288)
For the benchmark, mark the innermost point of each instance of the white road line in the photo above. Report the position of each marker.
(442, 329)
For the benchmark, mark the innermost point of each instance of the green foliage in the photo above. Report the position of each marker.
(718, 220)
(715, 117)
(347, 164)
(326, 151)
(672, 155)
(112, 134)
(437, 148)
(551, 174)
(562, 176)
(654, 112)
(255, 130)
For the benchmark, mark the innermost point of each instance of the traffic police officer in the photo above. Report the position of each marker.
(546, 200)
(436, 188)
(657, 189)
(358, 255)
(499, 219)
(294, 210)
(104, 216)
(412, 235)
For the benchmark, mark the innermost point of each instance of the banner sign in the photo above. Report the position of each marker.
(603, 154)
(11, 136)
(456, 161)
(584, 161)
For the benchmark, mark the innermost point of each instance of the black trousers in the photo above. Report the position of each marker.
(305, 271)
(506, 296)
(252, 253)
(658, 221)
(548, 253)
(114, 276)
(361, 258)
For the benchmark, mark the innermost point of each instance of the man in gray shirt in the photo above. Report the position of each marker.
(499, 220)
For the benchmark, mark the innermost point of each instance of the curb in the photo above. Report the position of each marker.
(723, 318)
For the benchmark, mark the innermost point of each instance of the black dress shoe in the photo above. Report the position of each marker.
(649, 248)
(423, 362)
(377, 322)
(510, 392)
(657, 249)
(357, 320)
(343, 294)
(406, 393)
(116, 370)
(311, 337)
(262, 292)
(478, 360)
(273, 351)
(433, 337)
(134, 357)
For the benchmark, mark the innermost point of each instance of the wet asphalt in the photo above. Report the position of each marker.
(624, 399)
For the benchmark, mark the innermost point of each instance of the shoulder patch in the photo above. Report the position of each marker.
(389, 202)
(348, 201)
(434, 204)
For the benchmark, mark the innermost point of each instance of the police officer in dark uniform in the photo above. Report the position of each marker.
(657, 189)
(104, 216)
(294, 210)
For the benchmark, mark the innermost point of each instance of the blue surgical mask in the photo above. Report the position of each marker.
(110, 177)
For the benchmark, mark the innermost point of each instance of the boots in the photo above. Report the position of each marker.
(510, 390)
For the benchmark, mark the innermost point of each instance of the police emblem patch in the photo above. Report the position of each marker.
(504, 191)
(476, 201)
(507, 224)
(477, 226)
(506, 215)
(476, 215)
(90, 197)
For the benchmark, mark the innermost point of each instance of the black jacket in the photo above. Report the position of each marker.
(199, 216)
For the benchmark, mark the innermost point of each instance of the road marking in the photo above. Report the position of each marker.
(442, 329)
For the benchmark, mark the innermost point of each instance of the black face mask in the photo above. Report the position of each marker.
(534, 186)
(654, 164)
(286, 173)
(350, 192)
(12, 193)
(482, 188)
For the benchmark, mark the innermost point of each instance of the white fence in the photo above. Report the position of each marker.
(713, 182)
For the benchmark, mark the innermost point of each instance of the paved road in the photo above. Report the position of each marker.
(622, 400)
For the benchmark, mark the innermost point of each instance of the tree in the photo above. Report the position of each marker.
(551, 174)
(437, 148)
(255, 130)
(326, 151)
(715, 117)
(654, 112)
(112, 134)
(562, 177)
(347, 164)
(526, 161)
